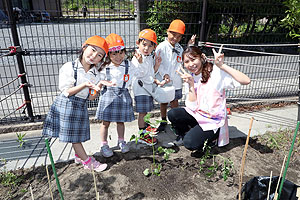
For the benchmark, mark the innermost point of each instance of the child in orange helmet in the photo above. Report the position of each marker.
(115, 103)
(147, 64)
(68, 117)
(171, 53)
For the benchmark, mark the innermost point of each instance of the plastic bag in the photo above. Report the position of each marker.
(257, 189)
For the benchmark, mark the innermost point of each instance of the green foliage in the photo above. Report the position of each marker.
(155, 167)
(20, 139)
(107, 4)
(292, 18)
(165, 151)
(161, 13)
(220, 163)
(9, 179)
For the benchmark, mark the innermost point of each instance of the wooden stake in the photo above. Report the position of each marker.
(276, 194)
(31, 192)
(269, 186)
(243, 159)
(97, 193)
(49, 182)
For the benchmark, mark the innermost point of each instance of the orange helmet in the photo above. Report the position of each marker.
(97, 41)
(115, 42)
(177, 26)
(148, 34)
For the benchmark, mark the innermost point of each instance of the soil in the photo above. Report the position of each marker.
(179, 178)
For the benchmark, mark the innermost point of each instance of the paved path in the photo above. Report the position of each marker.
(265, 120)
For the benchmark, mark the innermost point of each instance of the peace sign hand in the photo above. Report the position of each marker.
(186, 77)
(158, 59)
(192, 40)
(138, 56)
(219, 57)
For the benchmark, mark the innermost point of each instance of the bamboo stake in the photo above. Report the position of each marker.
(31, 192)
(53, 169)
(288, 160)
(97, 193)
(276, 194)
(244, 158)
(269, 186)
(49, 182)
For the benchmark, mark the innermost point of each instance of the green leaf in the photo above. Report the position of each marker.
(147, 172)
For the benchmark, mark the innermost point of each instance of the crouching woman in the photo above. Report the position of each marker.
(205, 111)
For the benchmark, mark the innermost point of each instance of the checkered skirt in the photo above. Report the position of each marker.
(178, 94)
(68, 119)
(143, 103)
(115, 105)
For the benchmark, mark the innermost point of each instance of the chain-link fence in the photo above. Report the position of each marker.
(38, 38)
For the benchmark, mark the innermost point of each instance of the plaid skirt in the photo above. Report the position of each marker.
(115, 105)
(143, 103)
(178, 94)
(68, 119)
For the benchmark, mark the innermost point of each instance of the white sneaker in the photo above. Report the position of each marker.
(106, 151)
(177, 142)
(77, 160)
(123, 146)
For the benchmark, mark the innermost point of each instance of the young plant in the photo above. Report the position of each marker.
(155, 167)
(20, 139)
(8, 178)
(165, 151)
(225, 166)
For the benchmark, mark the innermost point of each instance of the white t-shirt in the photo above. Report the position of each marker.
(117, 74)
(67, 80)
(145, 73)
(171, 60)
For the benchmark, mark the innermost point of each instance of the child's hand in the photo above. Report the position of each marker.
(219, 57)
(108, 83)
(167, 78)
(192, 40)
(138, 56)
(158, 59)
(186, 77)
(89, 84)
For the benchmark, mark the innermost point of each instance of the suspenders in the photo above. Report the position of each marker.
(75, 72)
(126, 75)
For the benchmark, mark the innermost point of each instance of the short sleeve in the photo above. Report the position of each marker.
(228, 81)
(66, 78)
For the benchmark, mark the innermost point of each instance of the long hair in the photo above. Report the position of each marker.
(207, 67)
(81, 51)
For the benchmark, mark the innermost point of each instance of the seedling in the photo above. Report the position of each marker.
(166, 152)
(8, 178)
(20, 139)
(225, 167)
(155, 167)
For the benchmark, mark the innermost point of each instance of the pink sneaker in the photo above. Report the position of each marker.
(94, 164)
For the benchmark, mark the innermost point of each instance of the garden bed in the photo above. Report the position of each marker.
(182, 176)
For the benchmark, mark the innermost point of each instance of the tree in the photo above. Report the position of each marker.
(292, 18)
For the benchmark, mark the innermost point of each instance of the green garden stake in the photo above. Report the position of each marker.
(53, 168)
(288, 160)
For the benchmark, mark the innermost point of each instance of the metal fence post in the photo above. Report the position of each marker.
(16, 41)
(141, 6)
(203, 21)
(299, 83)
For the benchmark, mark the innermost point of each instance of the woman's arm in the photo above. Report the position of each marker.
(237, 75)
